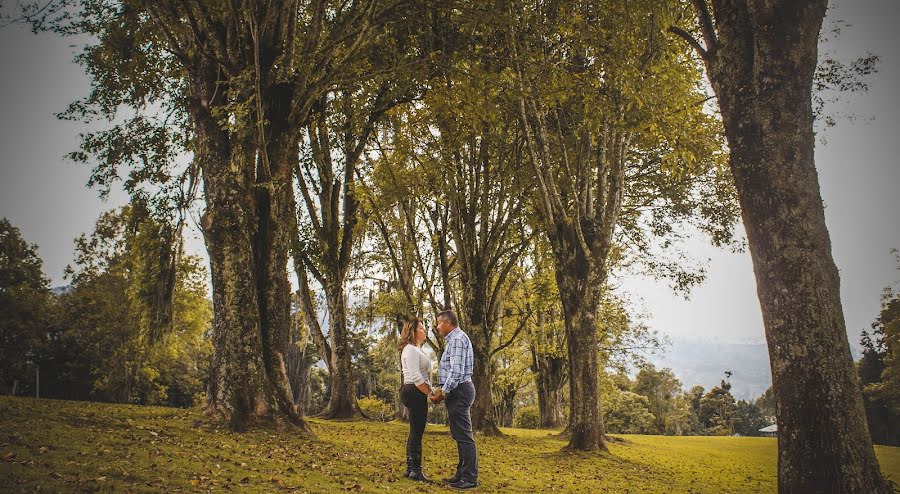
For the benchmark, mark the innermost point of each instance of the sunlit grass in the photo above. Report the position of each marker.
(60, 446)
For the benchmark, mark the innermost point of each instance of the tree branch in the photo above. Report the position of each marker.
(691, 41)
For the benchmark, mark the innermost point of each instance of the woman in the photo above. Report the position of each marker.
(414, 392)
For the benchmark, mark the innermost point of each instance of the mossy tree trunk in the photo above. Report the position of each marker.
(580, 281)
(761, 59)
(247, 386)
(549, 374)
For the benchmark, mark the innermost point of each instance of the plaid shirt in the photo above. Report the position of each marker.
(456, 362)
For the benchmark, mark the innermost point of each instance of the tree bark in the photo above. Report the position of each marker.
(299, 366)
(549, 376)
(580, 297)
(247, 385)
(479, 329)
(761, 61)
(342, 402)
(482, 411)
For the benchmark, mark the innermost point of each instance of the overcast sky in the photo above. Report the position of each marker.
(46, 197)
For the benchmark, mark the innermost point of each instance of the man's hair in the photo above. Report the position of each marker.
(449, 316)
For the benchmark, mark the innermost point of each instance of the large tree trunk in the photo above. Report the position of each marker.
(549, 376)
(238, 383)
(248, 383)
(482, 411)
(274, 291)
(476, 322)
(761, 62)
(585, 427)
(342, 402)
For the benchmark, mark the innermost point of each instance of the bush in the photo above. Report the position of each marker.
(376, 409)
(528, 417)
(437, 415)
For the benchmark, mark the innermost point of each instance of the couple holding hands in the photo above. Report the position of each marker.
(455, 389)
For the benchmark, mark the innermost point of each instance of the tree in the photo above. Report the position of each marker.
(718, 411)
(760, 59)
(236, 84)
(604, 136)
(751, 420)
(24, 306)
(546, 337)
(338, 136)
(107, 343)
(682, 420)
(660, 387)
(626, 412)
(878, 370)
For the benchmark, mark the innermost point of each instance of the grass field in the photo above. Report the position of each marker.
(61, 446)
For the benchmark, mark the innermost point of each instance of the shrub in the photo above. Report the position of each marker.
(437, 415)
(376, 409)
(528, 417)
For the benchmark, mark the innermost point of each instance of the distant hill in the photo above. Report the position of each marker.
(704, 362)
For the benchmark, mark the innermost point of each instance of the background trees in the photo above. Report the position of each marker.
(25, 303)
(597, 93)
(878, 371)
(106, 344)
(315, 100)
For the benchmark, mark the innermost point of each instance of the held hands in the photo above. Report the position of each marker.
(437, 396)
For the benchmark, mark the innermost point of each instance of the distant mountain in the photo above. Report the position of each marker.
(61, 290)
(704, 362)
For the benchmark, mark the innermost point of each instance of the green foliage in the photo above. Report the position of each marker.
(625, 412)
(528, 417)
(879, 370)
(376, 409)
(752, 418)
(718, 411)
(660, 387)
(111, 342)
(25, 310)
(887, 327)
(384, 368)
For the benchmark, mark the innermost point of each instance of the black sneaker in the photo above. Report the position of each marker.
(464, 484)
(451, 480)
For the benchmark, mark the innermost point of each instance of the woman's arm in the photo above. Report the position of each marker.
(410, 361)
(423, 387)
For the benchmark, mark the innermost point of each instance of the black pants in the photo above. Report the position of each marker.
(417, 403)
(459, 401)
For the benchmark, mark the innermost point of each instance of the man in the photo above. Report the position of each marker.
(455, 386)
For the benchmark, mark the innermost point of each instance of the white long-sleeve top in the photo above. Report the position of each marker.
(416, 365)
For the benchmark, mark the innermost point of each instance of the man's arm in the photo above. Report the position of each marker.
(455, 356)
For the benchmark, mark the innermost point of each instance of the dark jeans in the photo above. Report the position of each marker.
(417, 403)
(459, 400)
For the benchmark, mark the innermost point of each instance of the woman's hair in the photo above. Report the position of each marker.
(408, 333)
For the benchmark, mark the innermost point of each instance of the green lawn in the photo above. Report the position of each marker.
(61, 446)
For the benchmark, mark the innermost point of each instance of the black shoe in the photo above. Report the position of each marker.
(451, 480)
(408, 471)
(417, 474)
(464, 484)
